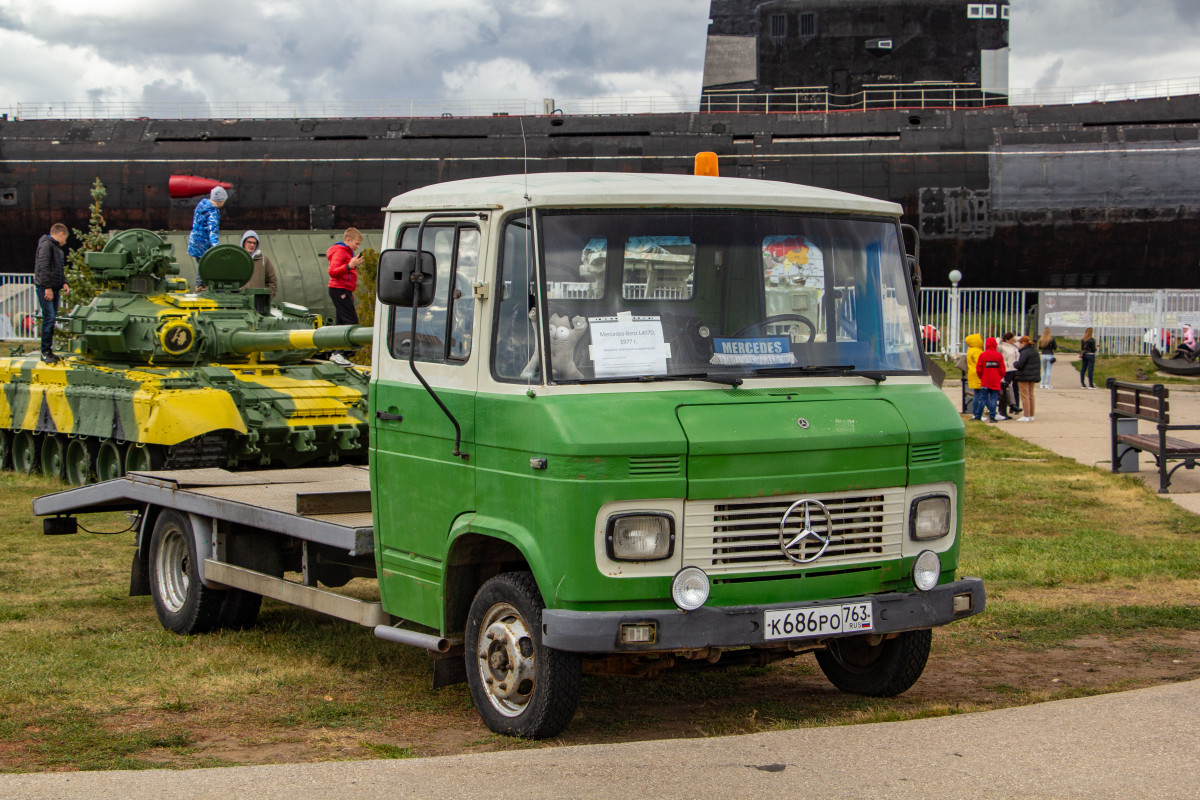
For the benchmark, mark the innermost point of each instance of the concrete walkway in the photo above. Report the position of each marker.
(1139, 744)
(1073, 422)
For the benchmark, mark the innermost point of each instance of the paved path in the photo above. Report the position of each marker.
(1138, 744)
(1073, 422)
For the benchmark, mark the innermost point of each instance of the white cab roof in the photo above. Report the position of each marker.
(617, 189)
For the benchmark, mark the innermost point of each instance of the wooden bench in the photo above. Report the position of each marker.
(1151, 403)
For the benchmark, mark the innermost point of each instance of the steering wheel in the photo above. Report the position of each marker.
(762, 323)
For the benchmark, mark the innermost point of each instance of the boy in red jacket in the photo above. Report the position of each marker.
(990, 368)
(343, 280)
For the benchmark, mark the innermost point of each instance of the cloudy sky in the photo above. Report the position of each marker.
(218, 51)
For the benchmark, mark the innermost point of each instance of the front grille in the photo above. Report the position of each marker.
(743, 535)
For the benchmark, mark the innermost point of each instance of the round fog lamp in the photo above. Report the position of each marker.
(926, 570)
(689, 589)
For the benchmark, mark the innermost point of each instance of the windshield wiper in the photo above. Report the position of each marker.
(825, 369)
(682, 376)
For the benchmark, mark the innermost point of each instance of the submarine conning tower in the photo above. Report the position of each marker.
(858, 52)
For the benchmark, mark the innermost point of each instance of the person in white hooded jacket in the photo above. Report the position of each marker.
(264, 276)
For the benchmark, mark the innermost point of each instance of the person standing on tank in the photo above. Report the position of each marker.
(264, 276)
(206, 227)
(343, 280)
(50, 280)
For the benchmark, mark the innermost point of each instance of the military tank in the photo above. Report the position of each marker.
(159, 376)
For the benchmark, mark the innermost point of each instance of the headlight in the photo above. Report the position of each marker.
(640, 537)
(927, 568)
(689, 588)
(930, 517)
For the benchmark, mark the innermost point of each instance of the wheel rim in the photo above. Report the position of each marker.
(108, 461)
(23, 453)
(52, 456)
(506, 659)
(171, 569)
(79, 462)
(139, 459)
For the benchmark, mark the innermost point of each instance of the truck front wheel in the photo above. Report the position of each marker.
(885, 668)
(520, 686)
(182, 602)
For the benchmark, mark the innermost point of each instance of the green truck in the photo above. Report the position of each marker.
(619, 424)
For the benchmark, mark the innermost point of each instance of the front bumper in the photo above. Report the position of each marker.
(742, 626)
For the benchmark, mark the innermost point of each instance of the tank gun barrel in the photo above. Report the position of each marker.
(332, 337)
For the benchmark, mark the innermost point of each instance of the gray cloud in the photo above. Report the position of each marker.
(397, 50)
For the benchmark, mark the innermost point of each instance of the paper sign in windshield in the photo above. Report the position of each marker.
(628, 346)
(769, 351)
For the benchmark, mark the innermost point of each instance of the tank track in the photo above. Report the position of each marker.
(208, 450)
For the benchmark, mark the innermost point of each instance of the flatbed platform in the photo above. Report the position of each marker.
(329, 505)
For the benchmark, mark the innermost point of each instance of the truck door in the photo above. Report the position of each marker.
(418, 486)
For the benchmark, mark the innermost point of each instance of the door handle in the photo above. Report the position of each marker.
(386, 417)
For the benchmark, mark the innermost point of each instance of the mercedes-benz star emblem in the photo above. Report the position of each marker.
(793, 547)
(803, 423)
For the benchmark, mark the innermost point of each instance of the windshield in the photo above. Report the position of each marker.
(727, 294)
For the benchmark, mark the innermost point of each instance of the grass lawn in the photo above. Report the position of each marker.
(1092, 587)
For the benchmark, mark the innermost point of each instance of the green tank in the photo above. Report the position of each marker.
(162, 377)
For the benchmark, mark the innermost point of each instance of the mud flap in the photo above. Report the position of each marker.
(139, 578)
(449, 668)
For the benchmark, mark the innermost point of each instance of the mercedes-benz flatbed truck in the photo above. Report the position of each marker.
(620, 423)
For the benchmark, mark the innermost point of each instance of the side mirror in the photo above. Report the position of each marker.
(401, 275)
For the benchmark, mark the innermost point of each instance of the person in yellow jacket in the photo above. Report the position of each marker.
(974, 351)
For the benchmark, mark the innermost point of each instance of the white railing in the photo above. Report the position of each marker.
(1124, 321)
(18, 307)
(807, 99)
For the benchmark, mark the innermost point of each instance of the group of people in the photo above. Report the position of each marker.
(343, 257)
(50, 277)
(994, 367)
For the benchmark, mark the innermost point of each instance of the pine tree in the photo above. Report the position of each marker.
(364, 301)
(79, 276)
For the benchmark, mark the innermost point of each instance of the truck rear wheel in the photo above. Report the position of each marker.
(520, 686)
(182, 602)
(880, 669)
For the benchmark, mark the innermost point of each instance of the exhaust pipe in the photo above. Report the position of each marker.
(425, 641)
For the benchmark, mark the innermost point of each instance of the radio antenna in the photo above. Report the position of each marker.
(525, 162)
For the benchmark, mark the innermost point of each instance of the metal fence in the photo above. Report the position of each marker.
(1124, 321)
(18, 307)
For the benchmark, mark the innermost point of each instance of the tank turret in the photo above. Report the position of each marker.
(163, 376)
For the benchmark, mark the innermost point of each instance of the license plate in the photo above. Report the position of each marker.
(796, 623)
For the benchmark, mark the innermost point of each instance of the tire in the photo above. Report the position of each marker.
(143, 458)
(183, 604)
(504, 649)
(110, 461)
(5, 448)
(885, 669)
(54, 456)
(80, 461)
(25, 452)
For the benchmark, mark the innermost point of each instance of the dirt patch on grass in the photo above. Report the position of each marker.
(1138, 593)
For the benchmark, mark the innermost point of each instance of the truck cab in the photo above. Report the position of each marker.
(622, 423)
